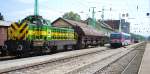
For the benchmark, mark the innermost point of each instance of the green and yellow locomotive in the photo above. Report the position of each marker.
(36, 34)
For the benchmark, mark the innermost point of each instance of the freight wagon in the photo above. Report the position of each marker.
(86, 35)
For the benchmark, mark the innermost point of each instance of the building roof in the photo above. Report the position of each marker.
(99, 24)
(103, 24)
(5, 23)
(114, 24)
(88, 30)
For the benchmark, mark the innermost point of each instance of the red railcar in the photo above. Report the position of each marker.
(120, 39)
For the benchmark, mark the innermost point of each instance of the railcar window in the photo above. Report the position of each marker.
(115, 36)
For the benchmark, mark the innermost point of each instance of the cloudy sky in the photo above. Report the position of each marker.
(14, 10)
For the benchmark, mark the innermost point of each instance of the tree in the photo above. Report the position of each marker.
(148, 38)
(1, 17)
(72, 16)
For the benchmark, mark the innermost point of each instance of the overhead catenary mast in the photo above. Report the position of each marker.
(36, 8)
(102, 16)
(93, 22)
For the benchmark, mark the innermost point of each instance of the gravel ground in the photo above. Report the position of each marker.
(128, 64)
(91, 69)
(133, 66)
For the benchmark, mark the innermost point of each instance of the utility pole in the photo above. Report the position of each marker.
(36, 8)
(120, 30)
(93, 17)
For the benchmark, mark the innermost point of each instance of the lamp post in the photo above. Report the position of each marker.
(120, 22)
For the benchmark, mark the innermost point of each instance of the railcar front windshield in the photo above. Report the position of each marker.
(115, 36)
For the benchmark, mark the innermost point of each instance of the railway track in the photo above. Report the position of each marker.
(32, 54)
(128, 64)
(72, 62)
(7, 58)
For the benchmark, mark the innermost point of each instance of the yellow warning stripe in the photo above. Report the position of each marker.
(15, 30)
(9, 34)
(22, 25)
(22, 34)
(15, 26)
(13, 34)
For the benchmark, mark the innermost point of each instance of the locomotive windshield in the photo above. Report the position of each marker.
(115, 36)
(37, 20)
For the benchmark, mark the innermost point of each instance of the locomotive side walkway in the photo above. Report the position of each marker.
(145, 64)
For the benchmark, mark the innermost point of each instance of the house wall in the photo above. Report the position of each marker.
(113, 23)
(3, 35)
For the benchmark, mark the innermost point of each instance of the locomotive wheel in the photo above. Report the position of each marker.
(47, 49)
(54, 49)
(20, 47)
(4, 51)
(76, 47)
(101, 44)
(20, 52)
(20, 55)
(73, 47)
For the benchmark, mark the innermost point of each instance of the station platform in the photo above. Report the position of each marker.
(145, 63)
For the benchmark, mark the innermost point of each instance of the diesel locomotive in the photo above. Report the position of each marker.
(36, 34)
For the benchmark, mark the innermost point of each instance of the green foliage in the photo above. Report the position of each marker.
(72, 16)
(138, 37)
(1, 17)
(148, 38)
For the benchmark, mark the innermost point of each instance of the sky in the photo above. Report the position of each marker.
(14, 10)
